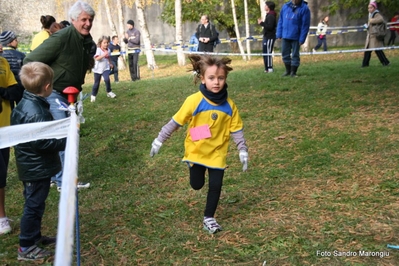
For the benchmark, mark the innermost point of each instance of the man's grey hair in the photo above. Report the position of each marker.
(78, 8)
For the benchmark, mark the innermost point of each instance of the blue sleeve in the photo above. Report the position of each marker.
(279, 30)
(305, 25)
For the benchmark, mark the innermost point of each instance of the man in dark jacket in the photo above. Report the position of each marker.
(69, 53)
(293, 27)
(206, 35)
(37, 161)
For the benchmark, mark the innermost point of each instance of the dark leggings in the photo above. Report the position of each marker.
(4, 159)
(197, 181)
(381, 56)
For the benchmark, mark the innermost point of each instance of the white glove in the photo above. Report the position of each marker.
(244, 160)
(156, 145)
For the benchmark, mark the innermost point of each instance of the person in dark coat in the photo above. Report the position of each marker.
(14, 57)
(37, 161)
(269, 35)
(206, 35)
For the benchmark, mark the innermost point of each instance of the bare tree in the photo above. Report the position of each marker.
(121, 59)
(109, 18)
(146, 35)
(247, 34)
(181, 59)
(262, 9)
(233, 9)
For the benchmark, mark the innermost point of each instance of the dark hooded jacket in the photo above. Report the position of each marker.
(36, 160)
(269, 25)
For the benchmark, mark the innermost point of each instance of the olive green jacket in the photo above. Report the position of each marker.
(68, 53)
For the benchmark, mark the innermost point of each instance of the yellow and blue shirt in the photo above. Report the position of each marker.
(222, 121)
(6, 79)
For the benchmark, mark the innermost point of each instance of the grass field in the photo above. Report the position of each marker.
(321, 187)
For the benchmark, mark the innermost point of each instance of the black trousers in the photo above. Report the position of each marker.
(392, 38)
(134, 66)
(381, 56)
(197, 181)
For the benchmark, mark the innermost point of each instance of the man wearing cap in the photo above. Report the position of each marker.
(69, 52)
(14, 57)
(132, 39)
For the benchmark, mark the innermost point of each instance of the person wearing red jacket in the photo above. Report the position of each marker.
(394, 28)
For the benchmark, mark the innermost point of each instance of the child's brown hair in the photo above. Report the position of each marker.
(201, 62)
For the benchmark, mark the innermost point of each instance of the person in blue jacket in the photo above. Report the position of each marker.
(193, 43)
(292, 28)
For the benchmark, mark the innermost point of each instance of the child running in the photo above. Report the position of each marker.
(102, 68)
(212, 117)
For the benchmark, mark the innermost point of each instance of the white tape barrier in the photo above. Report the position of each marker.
(68, 127)
(67, 207)
(13, 135)
(276, 54)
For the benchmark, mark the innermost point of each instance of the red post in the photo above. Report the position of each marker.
(72, 92)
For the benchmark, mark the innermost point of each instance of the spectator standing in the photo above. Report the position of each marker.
(293, 28)
(101, 68)
(115, 50)
(269, 35)
(69, 53)
(42, 35)
(132, 39)
(394, 28)
(14, 57)
(206, 35)
(372, 41)
(321, 34)
(8, 85)
(193, 43)
(37, 161)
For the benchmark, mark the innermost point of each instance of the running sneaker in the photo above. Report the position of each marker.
(211, 225)
(111, 94)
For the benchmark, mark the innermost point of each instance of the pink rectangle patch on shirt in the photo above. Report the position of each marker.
(201, 132)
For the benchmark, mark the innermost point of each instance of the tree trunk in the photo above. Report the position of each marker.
(233, 8)
(181, 58)
(247, 33)
(121, 59)
(109, 18)
(145, 35)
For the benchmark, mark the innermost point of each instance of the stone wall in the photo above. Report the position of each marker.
(23, 17)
